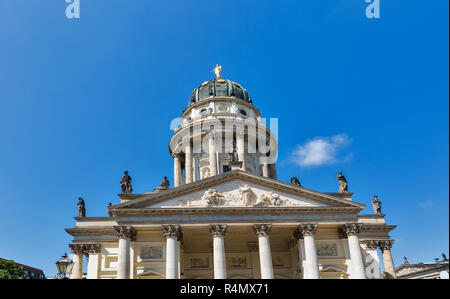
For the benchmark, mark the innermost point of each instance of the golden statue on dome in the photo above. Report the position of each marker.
(217, 71)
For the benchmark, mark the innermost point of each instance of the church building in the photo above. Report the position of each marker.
(227, 215)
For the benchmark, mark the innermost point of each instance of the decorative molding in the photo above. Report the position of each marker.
(125, 232)
(172, 231)
(329, 249)
(262, 229)
(352, 229)
(152, 252)
(218, 230)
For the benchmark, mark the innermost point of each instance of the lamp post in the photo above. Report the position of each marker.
(64, 265)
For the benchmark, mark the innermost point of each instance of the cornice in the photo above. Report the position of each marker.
(238, 211)
(377, 227)
(221, 99)
(145, 199)
(84, 231)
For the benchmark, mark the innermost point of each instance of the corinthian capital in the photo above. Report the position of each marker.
(93, 248)
(262, 229)
(77, 248)
(172, 231)
(125, 232)
(385, 244)
(351, 229)
(308, 229)
(218, 230)
(371, 244)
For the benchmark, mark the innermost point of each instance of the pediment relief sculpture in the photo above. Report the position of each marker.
(213, 198)
(269, 199)
(247, 195)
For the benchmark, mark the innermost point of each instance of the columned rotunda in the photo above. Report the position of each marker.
(227, 215)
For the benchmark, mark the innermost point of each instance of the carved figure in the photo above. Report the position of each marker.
(405, 260)
(275, 198)
(295, 181)
(247, 195)
(376, 205)
(205, 172)
(217, 71)
(343, 186)
(212, 197)
(125, 183)
(81, 207)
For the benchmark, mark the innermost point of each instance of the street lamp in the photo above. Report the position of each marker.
(64, 265)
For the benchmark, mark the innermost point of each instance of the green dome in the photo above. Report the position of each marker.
(219, 88)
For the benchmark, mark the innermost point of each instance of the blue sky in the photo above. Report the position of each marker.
(84, 99)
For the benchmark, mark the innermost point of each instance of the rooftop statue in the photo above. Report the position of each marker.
(165, 183)
(295, 181)
(405, 260)
(107, 209)
(81, 208)
(376, 205)
(217, 71)
(125, 183)
(343, 186)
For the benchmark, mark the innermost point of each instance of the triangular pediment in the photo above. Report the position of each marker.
(236, 189)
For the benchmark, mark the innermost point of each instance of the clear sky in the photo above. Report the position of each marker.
(84, 99)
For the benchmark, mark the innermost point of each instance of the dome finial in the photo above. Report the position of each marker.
(217, 71)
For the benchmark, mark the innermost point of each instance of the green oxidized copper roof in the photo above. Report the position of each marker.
(219, 88)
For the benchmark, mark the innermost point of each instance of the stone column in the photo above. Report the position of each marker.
(389, 270)
(177, 170)
(220, 266)
(253, 249)
(274, 171)
(77, 269)
(93, 252)
(188, 162)
(172, 234)
(371, 260)
(265, 256)
(265, 170)
(212, 155)
(352, 231)
(311, 265)
(125, 234)
(241, 149)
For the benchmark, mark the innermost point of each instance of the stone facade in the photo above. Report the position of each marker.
(229, 216)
